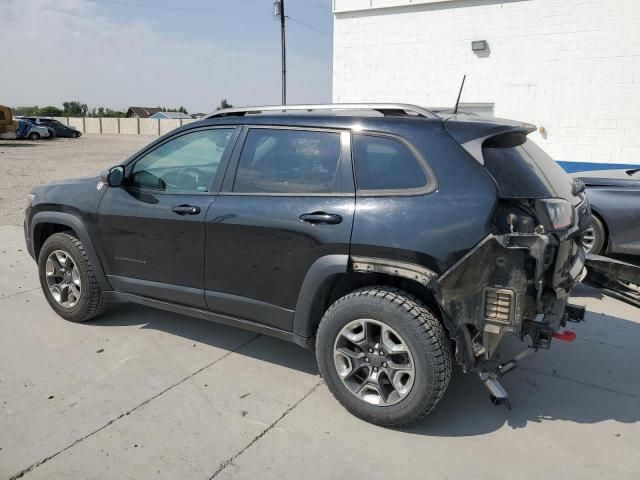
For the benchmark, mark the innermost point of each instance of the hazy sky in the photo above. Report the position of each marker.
(117, 53)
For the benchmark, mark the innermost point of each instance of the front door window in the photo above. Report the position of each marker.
(188, 163)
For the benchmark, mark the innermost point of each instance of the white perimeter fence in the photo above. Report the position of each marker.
(124, 126)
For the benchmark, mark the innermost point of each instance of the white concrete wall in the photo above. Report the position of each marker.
(571, 66)
(77, 123)
(149, 126)
(124, 126)
(166, 125)
(129, 126)
(92, 125)
(110, 125)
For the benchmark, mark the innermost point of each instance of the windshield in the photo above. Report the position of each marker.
(521, 169)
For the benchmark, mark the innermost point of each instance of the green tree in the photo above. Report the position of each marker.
(75, 109)
(50, 111)
(113, 113)
(224, 104)
(26, 111)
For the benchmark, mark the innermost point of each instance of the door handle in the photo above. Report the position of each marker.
(186, 210)
(321, 217)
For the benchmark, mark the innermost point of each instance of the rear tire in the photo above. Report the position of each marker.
(67, 279)
(34, 136)
(375, 391)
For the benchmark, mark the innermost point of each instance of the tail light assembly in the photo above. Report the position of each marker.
(559, 213)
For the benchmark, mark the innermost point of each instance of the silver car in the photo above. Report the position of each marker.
(35, 132)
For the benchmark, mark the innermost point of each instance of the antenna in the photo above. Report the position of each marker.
(455, 109)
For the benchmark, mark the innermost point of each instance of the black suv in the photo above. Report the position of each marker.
(390, 239)
(55, 127)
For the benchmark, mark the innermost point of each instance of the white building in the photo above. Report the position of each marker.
(571, 67)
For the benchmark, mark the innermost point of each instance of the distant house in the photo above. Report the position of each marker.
(197, 115)
(141, 112)
(171, 115)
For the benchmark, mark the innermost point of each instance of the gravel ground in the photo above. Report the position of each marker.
(24, 164)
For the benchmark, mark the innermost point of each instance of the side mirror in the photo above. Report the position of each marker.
(115, 177)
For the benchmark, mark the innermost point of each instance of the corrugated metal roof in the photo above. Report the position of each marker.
(172, 115)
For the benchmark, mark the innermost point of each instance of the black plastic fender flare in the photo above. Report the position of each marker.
(321, 271)
(76, 224)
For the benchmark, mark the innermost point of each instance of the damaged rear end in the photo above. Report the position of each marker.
(517, 280)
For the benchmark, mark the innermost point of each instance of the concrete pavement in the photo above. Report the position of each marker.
(141, 393)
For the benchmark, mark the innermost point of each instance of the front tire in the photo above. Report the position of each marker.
(384, 356)
(34, 136)
(67, 279)
(594, 237)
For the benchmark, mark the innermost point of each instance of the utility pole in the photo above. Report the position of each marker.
(278, 11)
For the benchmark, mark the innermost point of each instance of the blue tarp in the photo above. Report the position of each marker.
(23, 128)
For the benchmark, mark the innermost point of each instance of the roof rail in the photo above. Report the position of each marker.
(391, 109)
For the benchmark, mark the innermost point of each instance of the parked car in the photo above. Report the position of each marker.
(57, 128)
(31, 131)
(392, 241)
(615, 203)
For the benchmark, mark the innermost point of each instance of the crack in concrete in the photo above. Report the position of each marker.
(231, 459)
(30, 468)
(579, 382)
(612, 345)
(19, 293)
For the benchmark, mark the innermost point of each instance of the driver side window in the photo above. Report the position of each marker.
(187, 163)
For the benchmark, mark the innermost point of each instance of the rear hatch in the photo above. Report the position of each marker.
(519, 167)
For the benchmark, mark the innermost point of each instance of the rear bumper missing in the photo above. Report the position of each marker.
(509, 284)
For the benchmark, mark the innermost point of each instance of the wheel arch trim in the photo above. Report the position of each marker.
(324, 269)
(394, 268)
(75, 224)
(329, 267)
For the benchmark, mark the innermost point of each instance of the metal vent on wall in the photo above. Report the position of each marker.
(498, 305)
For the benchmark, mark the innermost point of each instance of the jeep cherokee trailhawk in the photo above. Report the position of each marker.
(391, 239)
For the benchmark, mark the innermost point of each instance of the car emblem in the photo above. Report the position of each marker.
(100, 185)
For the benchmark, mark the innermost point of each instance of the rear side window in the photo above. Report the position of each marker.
(383, 163)
(288, 161)
(522, 169)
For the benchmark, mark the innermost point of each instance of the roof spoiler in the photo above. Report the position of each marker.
(472, 132)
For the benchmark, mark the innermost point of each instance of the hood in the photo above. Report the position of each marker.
(73, 195)
(610, 178)
(91, 180)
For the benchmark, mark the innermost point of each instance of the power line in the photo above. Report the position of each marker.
(204, 10)
(181, 9)
(310, 27)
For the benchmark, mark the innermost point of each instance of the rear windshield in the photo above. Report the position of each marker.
(521, 169)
